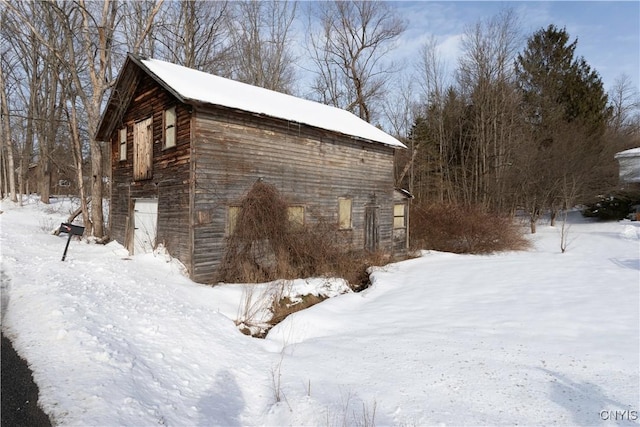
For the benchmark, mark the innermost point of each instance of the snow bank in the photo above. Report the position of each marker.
(534, 338)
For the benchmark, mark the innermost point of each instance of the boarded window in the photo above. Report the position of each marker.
(296, 215)
(170, 127)
(204, 217)
(143, 149)
(123, 143)
(344, 213)
(232, 219)
(399, 218)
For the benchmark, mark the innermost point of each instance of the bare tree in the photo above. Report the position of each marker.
(190, 33)
(348, 53)
(138, 28)
(261, 38)
(48, 101)
(399, 111)
(36, 77)
(487, 78)
(7, 142)
(431, 80)
(625, 102)
(399, 107)
(71, 111)
(88, 31)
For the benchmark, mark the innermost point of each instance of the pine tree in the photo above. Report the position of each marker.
(557, 87)
(565, 112)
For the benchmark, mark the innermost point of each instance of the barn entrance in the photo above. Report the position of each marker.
(371, 233)
(145, 224)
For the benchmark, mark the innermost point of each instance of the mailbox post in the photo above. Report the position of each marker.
(71, 230)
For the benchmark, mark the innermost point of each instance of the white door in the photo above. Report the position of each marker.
(145, 222)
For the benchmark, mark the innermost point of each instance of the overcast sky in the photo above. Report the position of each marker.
(608, 32)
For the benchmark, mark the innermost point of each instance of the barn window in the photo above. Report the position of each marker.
(399, 217)
(233, 212)
(123, 143)
(170, 127)
(296, 215)
(143, 149)
(344, 213)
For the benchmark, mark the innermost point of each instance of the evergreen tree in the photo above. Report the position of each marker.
(557, 87)
(565, 113)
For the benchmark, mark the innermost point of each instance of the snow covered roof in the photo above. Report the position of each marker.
(196, 86)
(633, 152)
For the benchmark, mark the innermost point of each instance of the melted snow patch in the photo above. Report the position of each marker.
(255, 306)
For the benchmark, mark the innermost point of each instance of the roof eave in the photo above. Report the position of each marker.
(138, 61)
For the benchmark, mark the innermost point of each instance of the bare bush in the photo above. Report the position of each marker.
(267, 246)
(464, 229)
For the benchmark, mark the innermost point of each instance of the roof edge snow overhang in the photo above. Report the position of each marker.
(198, 87)
(633, 152)
(204, 105)
(105, 128)
(138, 60)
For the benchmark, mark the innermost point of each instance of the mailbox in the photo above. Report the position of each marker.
(71, 230)
(74, 230)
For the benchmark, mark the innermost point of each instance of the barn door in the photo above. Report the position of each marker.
(371, 234)
(143, 149)
(145, 223)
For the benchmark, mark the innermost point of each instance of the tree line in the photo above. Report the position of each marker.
(517, 125)
(520, 128)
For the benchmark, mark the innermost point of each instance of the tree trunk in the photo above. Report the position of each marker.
(534, 214)
(97, 218)
(44, 175)
(77, 156)
(8, 143)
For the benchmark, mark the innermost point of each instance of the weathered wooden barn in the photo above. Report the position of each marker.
(187, 146)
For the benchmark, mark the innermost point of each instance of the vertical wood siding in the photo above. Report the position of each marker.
(169, 177)
(401, 235)
(220, 153)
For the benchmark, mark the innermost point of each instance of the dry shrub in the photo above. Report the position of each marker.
(266, 246)
(464, 229)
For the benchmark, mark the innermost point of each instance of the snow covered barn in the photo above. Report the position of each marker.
(187, 146)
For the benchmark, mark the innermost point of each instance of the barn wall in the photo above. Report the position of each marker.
(401, 235)
(310, 167)
(169, 181)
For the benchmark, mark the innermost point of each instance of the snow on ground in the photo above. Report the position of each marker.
(529, 338)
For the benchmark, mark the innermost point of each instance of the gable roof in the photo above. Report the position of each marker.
(196, 87)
